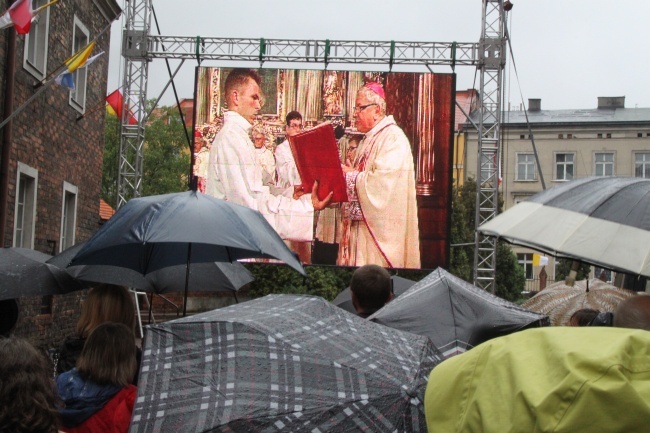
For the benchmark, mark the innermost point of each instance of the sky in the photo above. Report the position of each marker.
(566, 52)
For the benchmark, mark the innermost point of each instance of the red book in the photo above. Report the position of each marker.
(316, 153)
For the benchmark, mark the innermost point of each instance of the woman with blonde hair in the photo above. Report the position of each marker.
(104, 303)
(98, 394)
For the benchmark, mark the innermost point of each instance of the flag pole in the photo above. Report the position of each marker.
(101, 104)
(26, 103)
(42, 85)
(59, 68)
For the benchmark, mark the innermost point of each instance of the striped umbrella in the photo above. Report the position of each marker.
(604, 221)
(559, 301)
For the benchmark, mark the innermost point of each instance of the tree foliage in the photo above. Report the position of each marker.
(324, 281)
(166, 155)
(509, 278)
(110, 162)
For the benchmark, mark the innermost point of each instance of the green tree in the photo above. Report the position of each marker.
(324, 281)
(166, 152)
(110, 162)
(462, 230)
(166, 155)
(509, 277)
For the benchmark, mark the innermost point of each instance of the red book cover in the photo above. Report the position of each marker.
(316, 153)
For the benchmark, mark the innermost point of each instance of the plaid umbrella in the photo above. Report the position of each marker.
(281, 363)
(559, 301)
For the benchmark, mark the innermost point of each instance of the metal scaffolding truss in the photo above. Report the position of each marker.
(139, 47)
(309, 50)
(134, 89)
(491, 64)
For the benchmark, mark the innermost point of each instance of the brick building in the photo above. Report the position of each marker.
(52, 158)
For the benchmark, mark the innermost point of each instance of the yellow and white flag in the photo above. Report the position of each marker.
(539, 260)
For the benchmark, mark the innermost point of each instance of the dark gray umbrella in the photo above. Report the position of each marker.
(344, 299)
(454, 314)
(152, 233)
(604, 221)
(23, 272)
(204, 277)
(281, 363)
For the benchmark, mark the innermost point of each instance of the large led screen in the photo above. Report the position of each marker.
(393, 135)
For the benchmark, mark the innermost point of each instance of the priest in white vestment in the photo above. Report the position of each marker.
(380, 222)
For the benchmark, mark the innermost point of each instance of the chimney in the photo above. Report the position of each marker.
(611, 102)
(534, 104)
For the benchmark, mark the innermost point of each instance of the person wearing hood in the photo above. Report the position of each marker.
(97, 394)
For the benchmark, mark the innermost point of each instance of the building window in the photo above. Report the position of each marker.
(526, 261)
(569, 136)
(79, 40)
(564, 168)
(600, 135)
(35, 56)
(609, 135)
(525, 167)
(25, 209)
(560, 136)
(639, 134)
(642, 165)
(604, 164)
(68, 216)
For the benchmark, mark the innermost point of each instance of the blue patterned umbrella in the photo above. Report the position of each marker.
(281, 363)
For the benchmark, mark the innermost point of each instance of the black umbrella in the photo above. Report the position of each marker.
(204, 277)
(23, 272)
(344, 299)
(604, 221)
(281, 363)
(152, 233)
(454, 314)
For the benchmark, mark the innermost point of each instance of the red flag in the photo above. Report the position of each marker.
(116, 101)
(21, 14)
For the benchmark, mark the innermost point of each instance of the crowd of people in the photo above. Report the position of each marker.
(95, 371)
(572, 378)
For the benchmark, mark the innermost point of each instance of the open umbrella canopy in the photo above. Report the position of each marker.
(559, 301)
(344, 299)
(204, 277)
(155, 232)
(454, 314)
(604, 221)
(281, 363)
(23, 272)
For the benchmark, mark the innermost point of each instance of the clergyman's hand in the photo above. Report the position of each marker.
(319, 204)
(298, 192)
